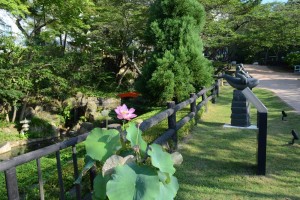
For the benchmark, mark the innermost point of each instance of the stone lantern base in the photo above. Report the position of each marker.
(240, 110)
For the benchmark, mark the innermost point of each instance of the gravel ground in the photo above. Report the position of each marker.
(286, 85)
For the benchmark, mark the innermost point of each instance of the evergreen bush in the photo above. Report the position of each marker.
(177, 65)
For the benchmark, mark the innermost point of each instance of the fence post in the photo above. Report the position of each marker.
(193, 106)
(93, 174)
(76, 173)
(204, 99)
(41, 186)
(60, 177)
(262, 143)
(257, 119)
(213, 94)
(172, 123)
(218, 87)
(12, 184)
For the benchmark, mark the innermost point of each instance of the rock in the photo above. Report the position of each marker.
(177, 158)
(5, 147)
(76, 127)
(29, 112)
(85, 127)
(53, 106)
(38, 109)
(93, 116)
(91, 107)
(94, 99)
(70, 102)
(91, 111)
(79, 95)
(110, 103)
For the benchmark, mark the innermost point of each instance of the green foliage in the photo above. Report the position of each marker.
(293, 58)
(101, 144)
(160, 159)
(134, 135)
(14, 82)
(39, 128)
(177, 66)
(130, 177)
(100, 183)
(247, 31)
(129, 184)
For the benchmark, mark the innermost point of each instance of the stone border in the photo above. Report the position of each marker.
(7, 146)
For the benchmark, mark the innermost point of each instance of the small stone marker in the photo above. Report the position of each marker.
(25, 126)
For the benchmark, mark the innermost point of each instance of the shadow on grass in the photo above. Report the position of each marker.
(220, 163)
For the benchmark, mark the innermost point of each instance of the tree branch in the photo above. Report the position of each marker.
(21, 28)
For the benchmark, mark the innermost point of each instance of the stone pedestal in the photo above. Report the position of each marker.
(240, 109)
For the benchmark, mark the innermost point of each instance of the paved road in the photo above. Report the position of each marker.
(284, 84)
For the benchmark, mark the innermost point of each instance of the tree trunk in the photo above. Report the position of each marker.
(23, 110)
(266, 56)
(7, 117)
(14, 114)
(6, 112)
(65, 43)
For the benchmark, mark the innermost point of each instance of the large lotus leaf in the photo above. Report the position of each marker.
(134, 135)
(89, 163)
(168, 191)
(102, 143)
(161, 159)
(100, 182)
(143, 169)
(163, 177)
(128, 185)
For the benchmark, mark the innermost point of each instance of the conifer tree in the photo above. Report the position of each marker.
(177, 65)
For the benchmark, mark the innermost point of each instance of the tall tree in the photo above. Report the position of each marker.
(177, 66)
(224, 20)
(117, 30)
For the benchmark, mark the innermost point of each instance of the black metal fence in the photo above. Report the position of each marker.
(9, 166)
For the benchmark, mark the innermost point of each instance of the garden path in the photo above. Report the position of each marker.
(286, 85)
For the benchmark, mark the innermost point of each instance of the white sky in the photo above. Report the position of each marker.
(9, 20)
(269, 1)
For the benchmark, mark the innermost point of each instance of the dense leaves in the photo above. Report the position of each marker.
(177, 66)
(249, 31)
(102, 46)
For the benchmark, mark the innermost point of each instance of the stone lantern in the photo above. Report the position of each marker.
(25, 126)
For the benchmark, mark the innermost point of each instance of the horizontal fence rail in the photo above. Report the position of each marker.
(9, 166)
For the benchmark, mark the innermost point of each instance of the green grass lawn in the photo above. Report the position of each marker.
(220, 163)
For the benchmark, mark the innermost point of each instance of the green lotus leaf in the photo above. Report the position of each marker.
(161, 159)
(168, 191)
(100, 182)
(128, 185)
(134, 135)
(143, 169)
(102, 143)
(163, 177)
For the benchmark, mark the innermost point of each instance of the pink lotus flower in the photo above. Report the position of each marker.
(124, 113)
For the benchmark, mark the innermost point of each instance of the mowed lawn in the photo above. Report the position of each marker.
(220, 163)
